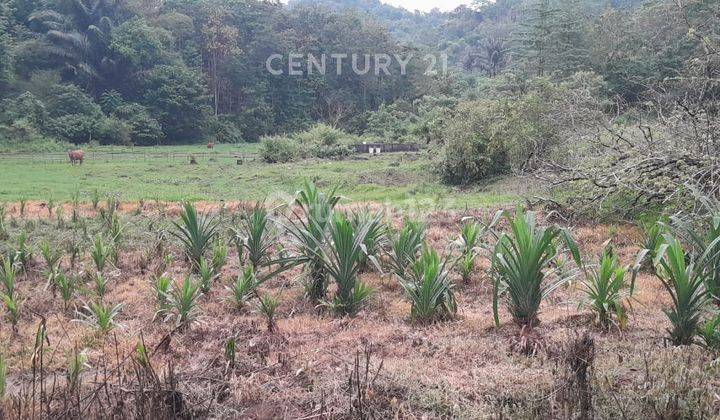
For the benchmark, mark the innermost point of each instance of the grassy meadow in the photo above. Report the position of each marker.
(165, 174)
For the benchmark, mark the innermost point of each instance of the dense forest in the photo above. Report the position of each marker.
(618, 98)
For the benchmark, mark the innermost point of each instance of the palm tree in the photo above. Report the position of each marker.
(80, 38)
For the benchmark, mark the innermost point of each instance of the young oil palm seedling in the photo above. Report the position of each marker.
(3, 379)
(99, 315)
(244, 288)
(60, 218)
(709, 334)
(51, 257)
(405, 246)
(24, 253)
(606, 288)
(685, 283)
(310, 233)
(468, 244)
(256, 235)
(95, 199)
(219, 256)
(100, 253)
(267, 305)
(3, 229)
(100, 284)
(342, 256)
(66, 286)
(23, 205)
(429, 288)
(196, 232)
(12, 309)
(50, 206)
(520, 261)
(705, 242)
(183, 302)
(7, 275)
(161, 290)
(77, 364)
(115, 230)
(375, 239)
(206, 271)
(651, 240)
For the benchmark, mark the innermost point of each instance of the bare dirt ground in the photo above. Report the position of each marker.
(458, 369)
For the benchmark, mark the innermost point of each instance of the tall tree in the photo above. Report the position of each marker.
(221, 41)
(80, 35)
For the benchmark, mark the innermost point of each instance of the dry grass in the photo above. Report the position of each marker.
(464, 368)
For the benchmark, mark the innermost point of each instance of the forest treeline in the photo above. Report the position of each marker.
(574, 91)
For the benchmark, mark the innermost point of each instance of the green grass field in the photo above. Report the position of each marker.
(164, 173)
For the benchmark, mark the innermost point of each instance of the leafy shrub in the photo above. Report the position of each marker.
(279, 149)
(70, 100)
(225, 130)
(323, 141)
(144, 130)
(113, 131)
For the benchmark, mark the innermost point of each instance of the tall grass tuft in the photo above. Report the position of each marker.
(685, 283)
(429, 288)
(519, 264)
(196, 232)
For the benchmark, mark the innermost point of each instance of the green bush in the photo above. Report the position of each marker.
(323, 141)
(279, 149)
(113, 131)
(473, 151)
(225, 130)
(144, 129)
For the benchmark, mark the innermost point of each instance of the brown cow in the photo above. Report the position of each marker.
(211, 145)
(76, 156)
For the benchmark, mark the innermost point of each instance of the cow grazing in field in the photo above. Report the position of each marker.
(211, 146)
(76, 156)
